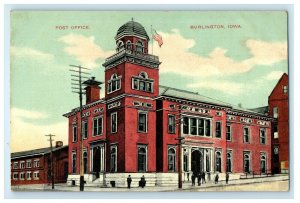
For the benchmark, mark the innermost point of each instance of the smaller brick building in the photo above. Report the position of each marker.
(34, 166)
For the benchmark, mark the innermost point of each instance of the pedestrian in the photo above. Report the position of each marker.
(227, 177)
(129, 181)
(217, 178)
(143, 181)
(193, 179)
(203, 177)
(199, 178)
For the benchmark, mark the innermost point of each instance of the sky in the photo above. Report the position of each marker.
(238, 60)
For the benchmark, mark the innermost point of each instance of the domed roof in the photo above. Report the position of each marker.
(132, 28)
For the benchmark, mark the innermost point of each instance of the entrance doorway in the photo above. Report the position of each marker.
(197, 162)
(96, 161)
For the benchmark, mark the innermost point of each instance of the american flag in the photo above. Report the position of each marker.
(157, 38)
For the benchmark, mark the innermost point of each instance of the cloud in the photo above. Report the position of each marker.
(84, 49)
(176, 57)
(29, 52)
(227, 87)
(275, 75)
(28, 136)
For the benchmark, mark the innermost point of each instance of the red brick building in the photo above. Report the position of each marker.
(34, 166)
(135, 128)
(279, 109)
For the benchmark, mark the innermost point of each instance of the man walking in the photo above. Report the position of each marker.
(129, 181)
(217, 178)
(227, 177)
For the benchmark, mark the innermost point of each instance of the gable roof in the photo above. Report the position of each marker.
(40, 151)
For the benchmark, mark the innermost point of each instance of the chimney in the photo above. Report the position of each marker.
(58, 144)
(92, 90)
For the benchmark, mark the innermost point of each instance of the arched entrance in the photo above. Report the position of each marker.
(197, 161)
(96, 161)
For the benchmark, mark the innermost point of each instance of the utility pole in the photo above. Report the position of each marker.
(77, 88)
(51, 156)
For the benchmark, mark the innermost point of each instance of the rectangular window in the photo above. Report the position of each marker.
(28, 175)
(193, 126)
(228, 132)
(275, 112)
(114, 122)
(28, 164)
(142, 86)
(97, 126)
(142, 122)
(171, 124)
(36, 163)
(15, 176)
(36, 175)
(201, 127)
(185, 125)
(207, 128)
(149, 87)
(74, 133)
(135, 84)
(218, 129)
(246, 135)
(113, 159)
(22, 176)
(85, 129)
(262, 136)
(22, 164)
(15, 166)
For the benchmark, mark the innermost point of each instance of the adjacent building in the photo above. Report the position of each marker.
(34, 166)
(137, 126)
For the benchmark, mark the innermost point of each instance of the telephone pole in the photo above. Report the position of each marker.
(51, 156)
(77, 88)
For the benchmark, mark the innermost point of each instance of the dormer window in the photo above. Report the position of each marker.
(114, 84)
(128, 45)
(142, 82)
(140, 47)
(120, 46)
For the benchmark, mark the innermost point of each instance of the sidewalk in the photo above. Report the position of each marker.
(186, 186)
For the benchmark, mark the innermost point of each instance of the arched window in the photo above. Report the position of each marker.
(143, 75)
(246, 162)
(228, 162)
(114, 83)
(128, 45)
(142, 158)
(246, 135)
(262, 136)
(142, 82)
(139, 47)
(120, 46)
(263, 163)
(171, 159)
(85, 161)
(218, 162)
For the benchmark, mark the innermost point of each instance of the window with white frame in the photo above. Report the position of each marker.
(142, 82)
(218, 161)
(36, 163)
(247, 162)
(74, 137)
(171, 124)
(229, 161)
(246, 134)
(15, 165)
(85, 129)
(97, 126)
(22, 164)
(114, 122)
(129, 45)
(262, 136)
(22, 175)
(113, 158)
(120, 45)
(139, 47)
(114, 84)
(142, 158)
(142, 121)
(28, 163)
(171, 159)
(275, 112)
(28, 175)
(285, 89)
(73, 162)
(228, 132)
(263, 163)
(15, 176)
(196, 126)
(36, 175)
(218, 129)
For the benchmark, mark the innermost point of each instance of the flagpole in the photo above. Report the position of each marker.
(152, 39)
